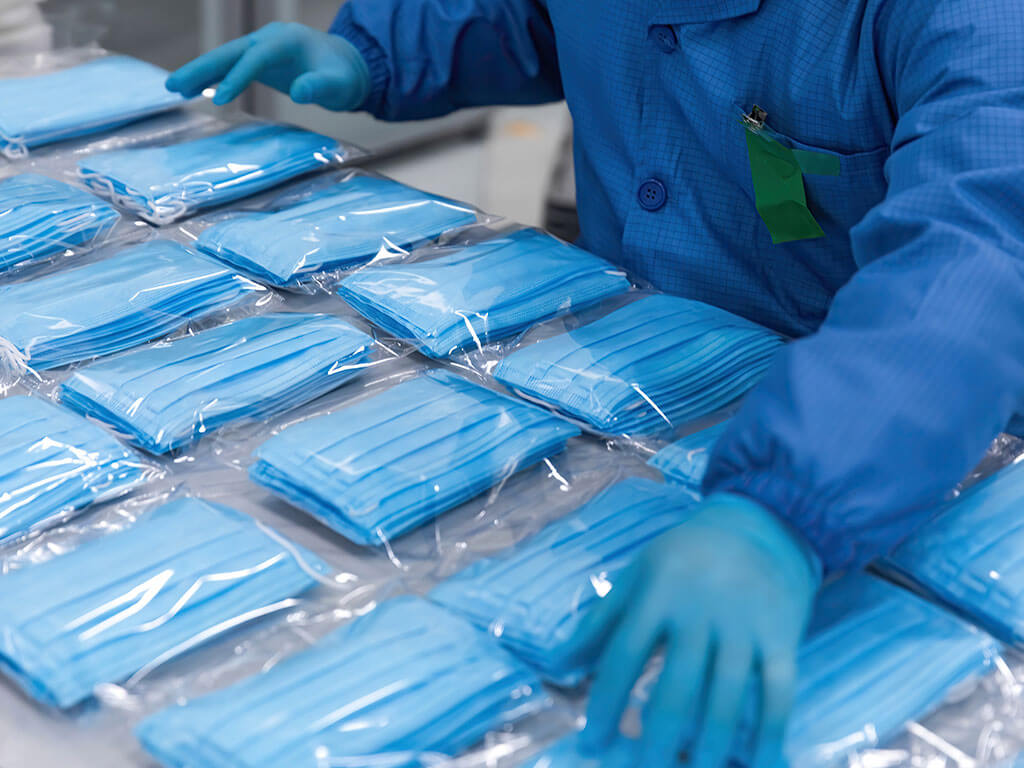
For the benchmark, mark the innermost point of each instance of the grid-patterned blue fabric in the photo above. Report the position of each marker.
(920, 362)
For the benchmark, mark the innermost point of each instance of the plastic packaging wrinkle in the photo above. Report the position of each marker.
(686, 461)
(970, 556)
(40, 218)
(404, 686)
(878, 658)
(54, 463)
(469, 297)
(649, 366)
(392, 462)
(340, 227)
(533, 597)
(165, 183)
(131, 600)
(78, 101)
(168, 395)
(139, 294)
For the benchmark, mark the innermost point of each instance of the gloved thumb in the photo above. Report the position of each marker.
(339, 91)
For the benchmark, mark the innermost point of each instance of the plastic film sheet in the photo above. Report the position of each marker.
(686, 461)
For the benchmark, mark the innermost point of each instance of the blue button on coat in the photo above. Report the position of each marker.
(909, 311)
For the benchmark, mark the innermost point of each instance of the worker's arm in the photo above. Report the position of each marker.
(430, 57)
(859, 430)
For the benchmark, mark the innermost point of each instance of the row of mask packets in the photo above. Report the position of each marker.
(102, 94)
(115, 607)
(138, 294)
(170, 394)
(54, 464)
(40, 218)
(876, 658)
(337, 227)
(162, 184)
(389, 463)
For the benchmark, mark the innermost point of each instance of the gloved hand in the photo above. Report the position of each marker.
(313, 67)
(728, 596)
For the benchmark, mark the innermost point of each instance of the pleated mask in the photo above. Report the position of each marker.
(686, 461)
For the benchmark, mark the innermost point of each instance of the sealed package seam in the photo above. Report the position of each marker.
(165, 183)
(686, 461)
(131, 600)
(533, 597)
(139, 294)
(80, 100)
(403, 686)
(53, 463)
(172, 393)
(383, 466)
(647, 367)
(41, 218)
(339, 227)
(469, 297)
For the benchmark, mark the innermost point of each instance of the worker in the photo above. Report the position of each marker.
(894, 256)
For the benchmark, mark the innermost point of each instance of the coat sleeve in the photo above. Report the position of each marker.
(430, 57)
(859, 430)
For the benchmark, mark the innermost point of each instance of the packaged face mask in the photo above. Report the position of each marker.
(533, 597)
(53, 463)
(340, 227)
(971, 555)
(108, 306)
(388, 464)
(876, 658)
(403, 686)
(91, 97)
(164, 184)
(686, 461)
(483, 293)
(652, 365)
(131, 600)
(173, 393)
(41, 218)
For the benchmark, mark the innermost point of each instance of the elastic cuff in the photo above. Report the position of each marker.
(373, 54)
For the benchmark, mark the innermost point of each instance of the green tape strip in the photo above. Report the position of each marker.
(817, 163)
(779, 190)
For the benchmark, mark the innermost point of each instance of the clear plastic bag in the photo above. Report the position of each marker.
(92, 96)
(306, 239)
(164, 183)
(686, 461)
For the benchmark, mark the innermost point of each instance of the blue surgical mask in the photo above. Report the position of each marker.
(533, 597)
(340, 227)
(108, 306)
(390, 463)
(686, 461)
(54, 463)
(164, 184)
(41, 218)
(173, 393)
(470, 297)
(652, 365)
(122, 604)
(404, 684)
(85, 99)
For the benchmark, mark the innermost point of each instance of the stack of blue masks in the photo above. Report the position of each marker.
(340, 227)
(686, 461)
(971, 556)
(171, 394)
(388, 464)
(163, 184)
(139, 294)
(484, 293)
(131, 600)
(78, 101)
(41, 218)
(877, 658)
(402, 687)
(53, 463)
(534, 597)
(650, 366)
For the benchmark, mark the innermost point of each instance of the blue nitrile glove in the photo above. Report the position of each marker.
(311, 66)
(727, 595)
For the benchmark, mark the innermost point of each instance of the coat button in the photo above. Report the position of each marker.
(652, 195)
(665, 38)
